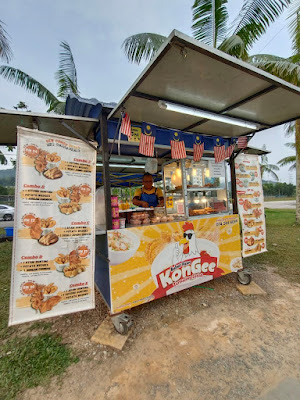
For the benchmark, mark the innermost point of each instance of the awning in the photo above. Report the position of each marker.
(189, 73)
(125, 179)
(53, 123)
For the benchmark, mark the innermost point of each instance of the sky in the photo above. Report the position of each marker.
(95, 30)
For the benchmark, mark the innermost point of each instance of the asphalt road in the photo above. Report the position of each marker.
(290, 204)
(6, 224)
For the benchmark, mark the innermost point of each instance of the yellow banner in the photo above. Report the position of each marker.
(150, 262)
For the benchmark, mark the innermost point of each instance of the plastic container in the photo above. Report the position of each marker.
(116, 224)
(9, 232)
(135, 222)
(115, 212)
(122, 223)
(114, 201)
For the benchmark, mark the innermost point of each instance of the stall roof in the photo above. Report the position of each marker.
(10, 119)
(190, 73)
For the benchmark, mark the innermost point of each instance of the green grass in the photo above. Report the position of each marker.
(26, 360)
(283, 245)
(273, 198)
(31, 361)
(5, 270)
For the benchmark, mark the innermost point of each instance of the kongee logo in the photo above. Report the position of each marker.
(184, 271)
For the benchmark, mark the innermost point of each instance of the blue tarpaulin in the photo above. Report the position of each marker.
(125, 179)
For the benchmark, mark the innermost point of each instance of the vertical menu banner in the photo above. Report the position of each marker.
(250, 204)
(53, 248)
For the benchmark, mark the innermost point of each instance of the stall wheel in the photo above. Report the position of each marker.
(122, 323)
(244, 278)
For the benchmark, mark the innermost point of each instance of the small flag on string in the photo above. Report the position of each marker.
(219, 149)
(198, 147)
(177, 145)
(231, 147)
(242, 142)
(125, 127)
(147, 140)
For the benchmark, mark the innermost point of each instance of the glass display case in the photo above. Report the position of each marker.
(195, 188)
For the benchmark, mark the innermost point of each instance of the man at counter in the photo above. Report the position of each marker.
(148, 195)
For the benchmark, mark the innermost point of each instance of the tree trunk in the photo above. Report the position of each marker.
(297, 137)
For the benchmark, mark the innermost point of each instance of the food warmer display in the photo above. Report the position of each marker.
(193, 188)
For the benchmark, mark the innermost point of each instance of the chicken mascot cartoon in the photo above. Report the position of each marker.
(187, 247)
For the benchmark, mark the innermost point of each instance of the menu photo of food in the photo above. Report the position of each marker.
(70, 199)
(122, 245)
(73, 263)
(44, 162)
(42, 298)
(41, 229)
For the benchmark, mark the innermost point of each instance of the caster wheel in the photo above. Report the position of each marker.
(244, 278)
(122, 323)
(121, 328)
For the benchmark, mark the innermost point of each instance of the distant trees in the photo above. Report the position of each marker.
(279, 189)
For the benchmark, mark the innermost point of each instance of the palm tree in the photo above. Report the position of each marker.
(290, 160)
(266, 168)
(210, 25)
(288, 69)
(5, 49)
(66, 77)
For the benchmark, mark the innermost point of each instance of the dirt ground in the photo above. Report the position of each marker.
(197, 344)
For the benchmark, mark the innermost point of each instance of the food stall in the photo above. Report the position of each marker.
(153, 252)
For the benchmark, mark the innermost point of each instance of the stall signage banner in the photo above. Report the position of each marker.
(150, 262)
(250, 204)
(53, 249)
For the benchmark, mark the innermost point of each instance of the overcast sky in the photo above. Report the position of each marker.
(95, 30)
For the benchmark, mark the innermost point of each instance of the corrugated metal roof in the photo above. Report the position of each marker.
(10, 119)
(190, 73)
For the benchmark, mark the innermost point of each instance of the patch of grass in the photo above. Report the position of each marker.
(40, 325)
(5, 272)
(283, 244)
(273, 198)
(32, 361)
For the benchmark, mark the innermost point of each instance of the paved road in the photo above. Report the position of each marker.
(291, 204)
(6, 224)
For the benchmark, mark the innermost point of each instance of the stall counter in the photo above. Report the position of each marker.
(145, 263)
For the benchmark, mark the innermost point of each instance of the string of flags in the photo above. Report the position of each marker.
(178, 151)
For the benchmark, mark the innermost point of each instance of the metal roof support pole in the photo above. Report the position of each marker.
(105, 176)
(233, 185)
(78, 135)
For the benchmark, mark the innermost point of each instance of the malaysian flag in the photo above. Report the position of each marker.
(177, 145)
(125, 127)
(242, 142)
(219, 149)
(147, 140)
(231, 147)
(198, 147)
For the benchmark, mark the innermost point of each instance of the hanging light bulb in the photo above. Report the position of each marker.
(194, 172)
(207, 172)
